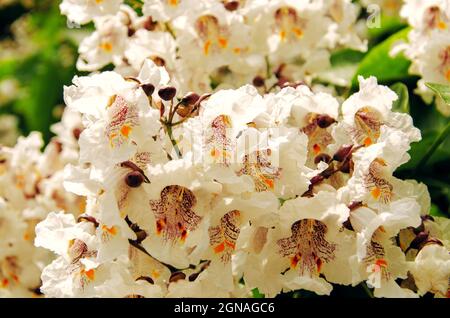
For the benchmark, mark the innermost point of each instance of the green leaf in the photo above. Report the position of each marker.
(389, 24)
(380, 64)
(434, 146)
(344, 64)
(257, 294)
(401, 105)
(442, 90)
(435, 211)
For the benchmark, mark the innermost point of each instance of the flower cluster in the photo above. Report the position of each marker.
(216, 195)
(428, 45)
(208, 43)
(30, 187)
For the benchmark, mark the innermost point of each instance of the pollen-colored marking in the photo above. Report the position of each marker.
(237, 50)
(206, 47)
(316, 149)
(294, 261)
(215, 153)
(442, 25)
(367, 142)
(447, 75)
(106, 46)
(319, 264)
(125, 130)
(230, 244)
(111, 230)
(173, 3)
(89, 274)
(155, 274)
(283, 35)
(222, 42)
(5, 283)
(381, 263)
(98, 1)
(268, 182)
(219, 248)
(376, 192)
(160, 226)
(26, 237)
(15, 278)
(298, 32)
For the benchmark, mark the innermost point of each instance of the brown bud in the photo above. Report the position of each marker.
(148, 89)
(316, 179)
(190, 99)
(324, 121)
(322, 157)
(149, 24)
(131, 31)
(177, 276)
(140, 236)
(258, 81)
(134, 179)
(88, 218)
(146, 278)
(348, 225)
(355, 205)
(231, 5)
(346, 166)
(76, 132)
(167, 93)
(419, 240)
(343, 153)
(184, 111)
(193, 277)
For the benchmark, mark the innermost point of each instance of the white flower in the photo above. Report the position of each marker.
(431, 269)
(83, 11)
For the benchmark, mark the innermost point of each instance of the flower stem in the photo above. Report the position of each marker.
(173, 141)
(367, 290)
(436, 143)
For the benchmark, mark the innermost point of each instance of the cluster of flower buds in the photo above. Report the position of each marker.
(428, 45)
(31, 185)
(216, 195)
(208, 44)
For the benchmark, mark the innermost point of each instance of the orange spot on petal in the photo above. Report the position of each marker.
(316, 149)
(206, 47)
(219, 248)
(125, 130)
(90, 274)
(376, 192)
(222, 42)
(367, 142)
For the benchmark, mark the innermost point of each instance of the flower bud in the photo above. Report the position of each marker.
(149, 24)
(346, 166)
(322, 157)
(148, 89)
(343, 153)
(258, 81)
(167, 93)
(177, 276)
(88, 218)
(184, 111)
(231, 5)
(134, 179)
(76, 132)
(190, 99)
(324, 121)
(420, 238)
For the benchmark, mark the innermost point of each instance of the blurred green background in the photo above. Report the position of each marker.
(38, 54)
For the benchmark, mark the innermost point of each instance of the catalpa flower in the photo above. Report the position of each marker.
(83, 11)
